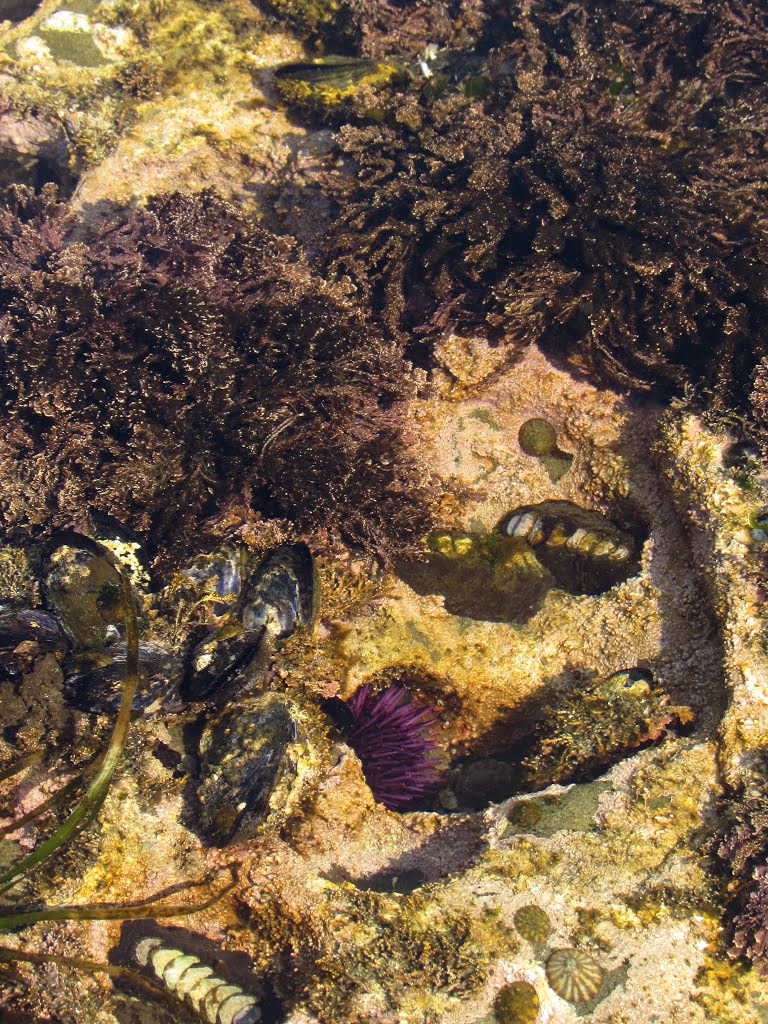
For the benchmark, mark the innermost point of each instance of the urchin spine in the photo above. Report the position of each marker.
(192, 981)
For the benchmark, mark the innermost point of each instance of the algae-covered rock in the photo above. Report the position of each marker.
(568, 662)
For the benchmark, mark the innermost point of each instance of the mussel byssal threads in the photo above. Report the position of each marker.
(394, 739)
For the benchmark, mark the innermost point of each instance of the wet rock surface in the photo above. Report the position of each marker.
(634, 547)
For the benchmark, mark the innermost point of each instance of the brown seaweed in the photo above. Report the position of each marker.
(178, 362)
(605, 198)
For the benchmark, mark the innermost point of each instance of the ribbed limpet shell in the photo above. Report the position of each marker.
(574, 975)
(517, 1003)
(532, 923)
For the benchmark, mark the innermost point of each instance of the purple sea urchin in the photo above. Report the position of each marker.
(394, 739)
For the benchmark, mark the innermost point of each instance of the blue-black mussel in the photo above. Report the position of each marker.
(278, 598)
(253, 611)
(244, 759)
(256, 749)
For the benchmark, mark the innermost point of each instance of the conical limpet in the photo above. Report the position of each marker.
(537, 437)
(574, 975)
(532, 923)
(517, 1003)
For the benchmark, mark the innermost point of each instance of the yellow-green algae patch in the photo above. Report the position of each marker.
(152, 96)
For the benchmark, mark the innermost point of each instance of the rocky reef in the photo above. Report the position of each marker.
(383, 512)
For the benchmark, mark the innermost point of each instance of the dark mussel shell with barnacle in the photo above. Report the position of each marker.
(250, 740)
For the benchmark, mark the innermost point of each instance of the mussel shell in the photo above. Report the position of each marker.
(219, 663)
(338, 73)
(281, 594)
(244, 752)
(26, 624)
(278, 598)
(82, 588)
(99, 689)
(224, 569)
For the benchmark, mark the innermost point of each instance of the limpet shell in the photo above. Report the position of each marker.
(574, 975)
(525, 814)
(532, 923)
(517, 1003)
(537, 437)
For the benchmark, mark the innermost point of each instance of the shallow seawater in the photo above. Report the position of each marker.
(445, 611)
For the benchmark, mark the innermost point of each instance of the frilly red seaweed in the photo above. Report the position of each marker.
(178, 360)
(604, 199)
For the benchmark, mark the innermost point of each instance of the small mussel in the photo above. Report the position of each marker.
(278, 598)
(97, 684)
(326, 83)
(222, 574)
(82, 588)
(254, 758)
(585, 551)
(25, 625)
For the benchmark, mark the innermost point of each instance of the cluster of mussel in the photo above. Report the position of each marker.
(254, 738)
(245, 744)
